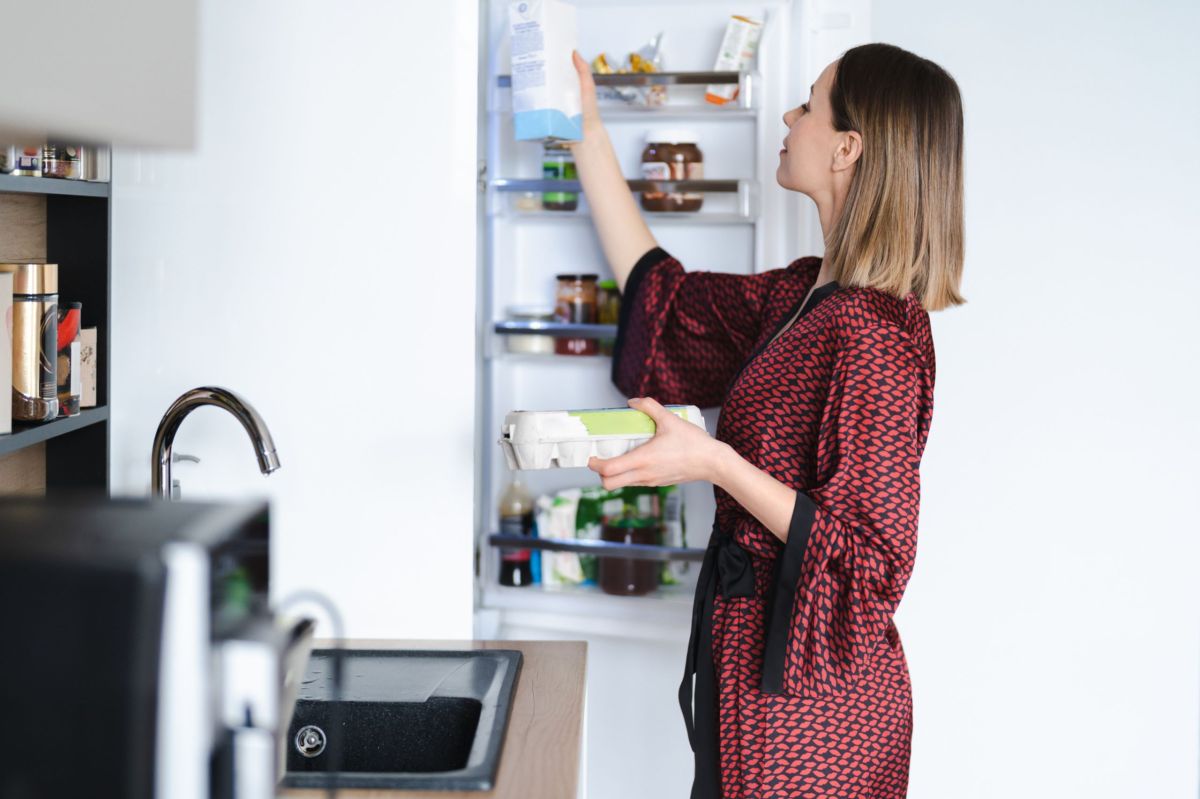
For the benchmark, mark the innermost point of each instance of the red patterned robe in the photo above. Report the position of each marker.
(807, 692)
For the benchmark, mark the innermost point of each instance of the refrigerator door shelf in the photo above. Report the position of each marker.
(726, 200)
(746, 81)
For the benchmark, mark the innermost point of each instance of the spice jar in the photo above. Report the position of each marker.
(35, 341)
(672, 155)
(608, 300)
(559, 164)
(535, 343)
(70, 385)
(576, 304)
(61, 162)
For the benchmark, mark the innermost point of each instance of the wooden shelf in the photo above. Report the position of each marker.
(26, 435)
(20, 184)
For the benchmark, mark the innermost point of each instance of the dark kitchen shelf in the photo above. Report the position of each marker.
(20, 184)
(26, 435)
(604, 549)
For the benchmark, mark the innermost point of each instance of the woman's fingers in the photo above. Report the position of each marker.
(587, 88)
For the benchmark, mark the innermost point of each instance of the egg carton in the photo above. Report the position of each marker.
(567, 439)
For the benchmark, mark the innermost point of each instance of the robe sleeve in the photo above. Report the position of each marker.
(682, 336)
(852, 540)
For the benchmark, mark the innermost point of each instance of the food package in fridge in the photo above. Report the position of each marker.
(567, 439)
(554, 517)
(545, 87)
(736, 54)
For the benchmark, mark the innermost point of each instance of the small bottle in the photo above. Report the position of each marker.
(558, 163)
(516, 518)
(575, 303)
(608, 310)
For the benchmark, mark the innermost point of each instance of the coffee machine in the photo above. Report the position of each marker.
(141, 657)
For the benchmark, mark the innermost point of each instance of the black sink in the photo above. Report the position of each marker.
(405, 719)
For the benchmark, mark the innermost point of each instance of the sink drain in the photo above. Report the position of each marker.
(310, 741)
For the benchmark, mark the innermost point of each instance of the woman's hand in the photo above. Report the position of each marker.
(680, 452)
(593, 127)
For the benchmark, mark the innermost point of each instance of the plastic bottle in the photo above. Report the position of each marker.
(516, 518)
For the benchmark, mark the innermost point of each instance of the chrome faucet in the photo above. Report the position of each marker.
(164, 438)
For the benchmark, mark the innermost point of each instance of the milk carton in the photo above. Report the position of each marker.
(545, 86)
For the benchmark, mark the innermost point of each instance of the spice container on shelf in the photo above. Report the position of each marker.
(558, 163)
(532, 344)
(576, 304)
(672, 155)
(18, 160)
(70, 385)
(35, 341)
(61, 161)
(608, 312)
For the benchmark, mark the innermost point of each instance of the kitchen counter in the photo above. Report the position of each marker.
(543, 742)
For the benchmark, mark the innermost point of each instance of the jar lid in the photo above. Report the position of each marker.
(33, 278)
(672, 136)
(544, 312)
(570, 276)
(607, 284)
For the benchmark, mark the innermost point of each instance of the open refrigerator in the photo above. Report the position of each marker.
(747, 224)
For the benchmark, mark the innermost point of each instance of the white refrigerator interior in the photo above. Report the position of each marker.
(636, 744)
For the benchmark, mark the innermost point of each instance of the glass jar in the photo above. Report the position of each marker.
(629, 576)
(532, 344)
(559, 164)
(672, 155)
(608, 300)
(61, 161)
(576, 304)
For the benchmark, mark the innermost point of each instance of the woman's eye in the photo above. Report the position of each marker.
(805, 107)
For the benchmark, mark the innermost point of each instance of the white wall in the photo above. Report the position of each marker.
(295, 257)
(1052, 622)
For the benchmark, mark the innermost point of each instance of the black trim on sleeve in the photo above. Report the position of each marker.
(783, 593)
(653, 257)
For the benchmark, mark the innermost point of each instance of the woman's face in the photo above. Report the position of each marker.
(809, 160)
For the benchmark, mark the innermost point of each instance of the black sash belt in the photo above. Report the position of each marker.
(727, 566)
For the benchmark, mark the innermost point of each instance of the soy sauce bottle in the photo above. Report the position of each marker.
(516, 518)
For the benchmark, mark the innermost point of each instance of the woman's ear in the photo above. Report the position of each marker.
(848, 151)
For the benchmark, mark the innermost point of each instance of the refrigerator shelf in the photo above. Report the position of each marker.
(598, 360)
(602, 549)
(626, 113)
(541, 185)
(659, 78)
(735, 199)
(556, 329)
(578, 610)
(651, 217)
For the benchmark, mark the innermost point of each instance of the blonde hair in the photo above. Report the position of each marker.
(901, 228)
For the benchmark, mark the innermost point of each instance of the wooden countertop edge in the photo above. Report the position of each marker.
(542, 746)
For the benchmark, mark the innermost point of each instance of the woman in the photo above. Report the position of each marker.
(824, 374)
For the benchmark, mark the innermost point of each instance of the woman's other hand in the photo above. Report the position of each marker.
(680, 452)
(592, 124)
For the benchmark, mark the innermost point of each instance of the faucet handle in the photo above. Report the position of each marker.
(176, 457)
